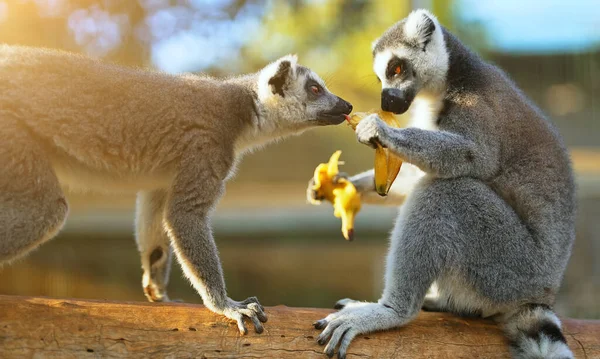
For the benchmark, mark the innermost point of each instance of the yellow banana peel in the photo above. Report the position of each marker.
(387, 165)
(339, 191)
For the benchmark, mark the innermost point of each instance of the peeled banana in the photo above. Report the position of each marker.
(339, 191)
(387, 165)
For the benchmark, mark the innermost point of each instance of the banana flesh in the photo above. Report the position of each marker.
(387, 165)
(339, 191)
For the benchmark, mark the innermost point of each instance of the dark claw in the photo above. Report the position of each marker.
(259, 330)
(322, 341)
(320, 324)
(338, 306)
(341, 355)
(330, 353)
(262, 317)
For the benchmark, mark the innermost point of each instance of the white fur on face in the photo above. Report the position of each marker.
(431, 65)
(264, 89)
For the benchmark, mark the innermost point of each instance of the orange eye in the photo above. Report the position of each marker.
(315, 89)
(397, 70)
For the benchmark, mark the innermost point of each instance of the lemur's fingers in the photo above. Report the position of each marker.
(370, 130)
(253, 300)
(249, 313)
(336, 337)
(325, 334)
(313, 196)
(347, 338)
(258, 309)
(236, 315)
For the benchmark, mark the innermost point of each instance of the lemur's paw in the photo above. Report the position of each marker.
(312, 195)
(371, 130)
(154, 294)
(354, 319)
(249, 308)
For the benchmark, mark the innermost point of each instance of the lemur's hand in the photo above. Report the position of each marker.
(371, 131)
(249, 308)
(354, 318)
(313, 196)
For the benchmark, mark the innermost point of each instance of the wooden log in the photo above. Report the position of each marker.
(32, 327)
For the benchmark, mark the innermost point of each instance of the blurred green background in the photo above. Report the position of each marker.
(272, 243)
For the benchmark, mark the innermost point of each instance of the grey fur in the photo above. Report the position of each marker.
(69, 121)
(490, 224)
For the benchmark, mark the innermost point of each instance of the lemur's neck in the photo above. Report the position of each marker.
(425, 109)
(466, 70)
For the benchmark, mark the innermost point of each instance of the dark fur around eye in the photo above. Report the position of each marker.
(390, 72)
(310, 84)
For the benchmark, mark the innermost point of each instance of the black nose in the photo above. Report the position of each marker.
(394, 100)
(344, 106)
(348, 106)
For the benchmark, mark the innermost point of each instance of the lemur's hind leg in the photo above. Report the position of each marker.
(153, 244)
(33, 207)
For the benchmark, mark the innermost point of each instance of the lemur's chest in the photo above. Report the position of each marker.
(425, 111)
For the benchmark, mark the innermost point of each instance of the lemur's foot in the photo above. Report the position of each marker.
(354, 319)
(154, 294)
(249, 308)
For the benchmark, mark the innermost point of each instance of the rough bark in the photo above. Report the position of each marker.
(66, 328)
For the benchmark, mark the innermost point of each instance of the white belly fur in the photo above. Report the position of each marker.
(79, 178)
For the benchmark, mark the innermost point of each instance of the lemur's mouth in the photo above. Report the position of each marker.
(335, 115)
(331, 119)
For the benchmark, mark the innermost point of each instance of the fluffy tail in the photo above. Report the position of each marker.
(534, 332)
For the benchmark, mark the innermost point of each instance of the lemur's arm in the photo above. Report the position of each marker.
(402, 186)
(441, 153)
(365, 185)
(195, 191)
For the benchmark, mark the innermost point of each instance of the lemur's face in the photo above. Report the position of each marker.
(410, 57)
(302, 94)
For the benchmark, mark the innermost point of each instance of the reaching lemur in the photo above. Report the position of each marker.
(66, 120)
(489, 222)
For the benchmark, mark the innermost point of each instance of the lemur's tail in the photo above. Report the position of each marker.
(534, 332)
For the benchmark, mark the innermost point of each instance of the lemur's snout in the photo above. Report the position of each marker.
(342, 107)
(395, 100)
(347, 105)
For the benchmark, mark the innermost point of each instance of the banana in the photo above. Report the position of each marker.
(387, 165)
(339, 191)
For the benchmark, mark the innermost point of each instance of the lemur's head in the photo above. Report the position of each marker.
(408, 58)
(299, 96)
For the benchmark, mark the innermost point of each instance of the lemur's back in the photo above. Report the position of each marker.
(78, 107)
(534, 175)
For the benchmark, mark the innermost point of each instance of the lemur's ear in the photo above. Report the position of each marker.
(420, 27)
(275, 77)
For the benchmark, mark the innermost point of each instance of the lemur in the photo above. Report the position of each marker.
(71, 121)
(487, 221)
